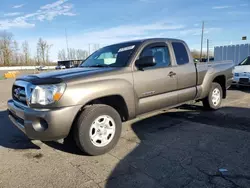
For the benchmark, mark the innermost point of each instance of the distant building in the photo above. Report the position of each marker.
(236, 53)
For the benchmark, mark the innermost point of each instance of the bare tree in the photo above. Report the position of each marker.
(195, 54)
(81, 54)
(38, 56)
(47, 52)
(96, 47)
(26, 52)
(1, 54)
(62, 55)
(5, 47)
(72, 54)
(16, 55)
(43, 49)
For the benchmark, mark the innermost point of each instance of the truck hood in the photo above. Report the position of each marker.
(55, 77)
(242, 69)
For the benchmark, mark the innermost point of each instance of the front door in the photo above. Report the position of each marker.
(155, 86)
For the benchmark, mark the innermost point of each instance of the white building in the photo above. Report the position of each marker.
(236, 53)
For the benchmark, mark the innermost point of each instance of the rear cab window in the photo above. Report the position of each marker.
(180, 52)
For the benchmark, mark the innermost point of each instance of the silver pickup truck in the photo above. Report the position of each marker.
(113, 85)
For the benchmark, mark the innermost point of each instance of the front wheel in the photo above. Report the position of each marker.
(98, 129)
(214, 98)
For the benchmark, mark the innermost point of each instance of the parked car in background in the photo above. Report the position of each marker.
(113, 85)
(58, 67)
(68, 64)
(242, 73)
(42, 68)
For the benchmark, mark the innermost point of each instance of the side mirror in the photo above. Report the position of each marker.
(146, 61)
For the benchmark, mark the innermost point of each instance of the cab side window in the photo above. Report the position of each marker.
(180, 52)
(160, 53)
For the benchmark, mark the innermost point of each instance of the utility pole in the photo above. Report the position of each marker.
(67, 45)
(202, 33)
(208, 50)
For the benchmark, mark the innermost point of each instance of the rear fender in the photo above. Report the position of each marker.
(205, 87)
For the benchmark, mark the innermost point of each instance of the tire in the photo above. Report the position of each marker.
(87, 127)
(208, 102)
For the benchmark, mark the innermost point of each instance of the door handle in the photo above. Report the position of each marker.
(171, 74)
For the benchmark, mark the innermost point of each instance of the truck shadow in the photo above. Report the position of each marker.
(245, 89)
(186, 149)
(227, 117)
(11, 137)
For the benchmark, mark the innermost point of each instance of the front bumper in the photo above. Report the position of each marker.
(240, 82)
(40, 124)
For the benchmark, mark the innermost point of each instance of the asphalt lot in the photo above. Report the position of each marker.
(184, 147)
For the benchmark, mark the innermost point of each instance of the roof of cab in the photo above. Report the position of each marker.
(149, 40)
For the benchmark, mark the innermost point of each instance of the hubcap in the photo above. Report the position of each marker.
(216, 97)
(102, 131)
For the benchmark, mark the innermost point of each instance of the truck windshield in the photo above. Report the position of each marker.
(245, 61)
(116, 55)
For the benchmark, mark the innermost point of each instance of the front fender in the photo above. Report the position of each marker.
(83, 93)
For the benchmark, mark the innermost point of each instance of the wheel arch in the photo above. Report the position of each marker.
(221, 79)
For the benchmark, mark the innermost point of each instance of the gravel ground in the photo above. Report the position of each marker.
(184, 147)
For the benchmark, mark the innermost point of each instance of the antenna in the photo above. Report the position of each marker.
(66, 37)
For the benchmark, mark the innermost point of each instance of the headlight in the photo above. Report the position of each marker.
(236, 74)
(47, 94)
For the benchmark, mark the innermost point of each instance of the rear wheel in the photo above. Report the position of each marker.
(97, 129)
(214, 98)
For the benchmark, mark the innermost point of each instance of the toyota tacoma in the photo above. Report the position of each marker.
(113, 85)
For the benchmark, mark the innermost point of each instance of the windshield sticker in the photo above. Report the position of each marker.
(126, 48)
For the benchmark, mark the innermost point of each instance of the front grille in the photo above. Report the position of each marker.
(19, 94)
(244, 80)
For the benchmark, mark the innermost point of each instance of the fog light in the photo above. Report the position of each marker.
(40, 126)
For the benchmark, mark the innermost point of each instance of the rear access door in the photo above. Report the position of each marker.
(185, 71)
